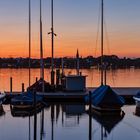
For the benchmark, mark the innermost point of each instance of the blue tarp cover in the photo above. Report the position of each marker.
(104, 96)
(26, 98)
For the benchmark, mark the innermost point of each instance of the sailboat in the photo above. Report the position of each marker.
(41, 85)
(26, 100)
(104, 99)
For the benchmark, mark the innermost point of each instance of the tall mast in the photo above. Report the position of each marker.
(41, 49)
(41, 45)
(52, 63)
(53, 34)
(102, 39)
(29, 43)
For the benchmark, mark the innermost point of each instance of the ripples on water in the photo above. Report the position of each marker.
(115, 78)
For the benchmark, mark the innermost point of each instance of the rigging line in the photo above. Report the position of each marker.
(113, 77)
(98, 29)
(106, 37)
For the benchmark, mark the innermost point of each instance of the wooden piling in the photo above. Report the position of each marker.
(11, 85)
(90, 116)
(23, 90)
(36, 79)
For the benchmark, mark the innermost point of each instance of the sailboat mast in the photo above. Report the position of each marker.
(52, 30)
(41, 45)
(102, 39)
(29, 43)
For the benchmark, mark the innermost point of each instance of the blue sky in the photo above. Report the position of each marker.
(75, 20)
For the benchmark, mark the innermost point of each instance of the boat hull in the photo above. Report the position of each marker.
(137, 101)
(115, 110)
(20, 111)
(25, 106)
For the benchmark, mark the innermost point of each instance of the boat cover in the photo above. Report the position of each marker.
(104, 96)
(25, 98)
(37, 86)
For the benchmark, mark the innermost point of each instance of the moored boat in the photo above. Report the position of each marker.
(137, 99)
(26, 101)
(104, 99)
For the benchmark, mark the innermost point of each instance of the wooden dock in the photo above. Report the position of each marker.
(126, 92)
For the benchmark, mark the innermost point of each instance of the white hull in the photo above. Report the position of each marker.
(2, 97)
(137, 100)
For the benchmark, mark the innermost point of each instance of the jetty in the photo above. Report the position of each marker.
(63, 96)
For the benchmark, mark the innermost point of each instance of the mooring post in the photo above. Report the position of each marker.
(36, 79)
(23, 87)
(105, 74)
(90, 118)
(90, 102)
(11, 85)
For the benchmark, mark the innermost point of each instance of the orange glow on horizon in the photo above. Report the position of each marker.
(15, 44)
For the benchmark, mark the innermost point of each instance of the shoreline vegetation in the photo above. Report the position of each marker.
(111, 62)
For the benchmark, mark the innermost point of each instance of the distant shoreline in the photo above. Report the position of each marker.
(110, 61)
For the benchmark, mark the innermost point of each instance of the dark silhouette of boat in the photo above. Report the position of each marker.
(26, 101)
(37, 86)
(104, 99)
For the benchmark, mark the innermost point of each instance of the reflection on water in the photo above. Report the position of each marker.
(69, 122)
(108, 122)
(114, 77)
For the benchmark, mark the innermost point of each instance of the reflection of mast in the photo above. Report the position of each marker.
(57, 112)
(35, 118)
(90, 118)
(35, 126)
(62, 117)
(29, 129)
(102, 132)
(52, 120)
(42, 124)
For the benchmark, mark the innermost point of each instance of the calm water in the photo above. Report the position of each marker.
(69, 122)
(120, 77)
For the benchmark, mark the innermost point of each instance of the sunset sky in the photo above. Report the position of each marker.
(76, 26)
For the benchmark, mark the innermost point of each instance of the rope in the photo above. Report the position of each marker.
(98, 29)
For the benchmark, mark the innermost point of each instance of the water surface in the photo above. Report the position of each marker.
(115, 78)
(69, 122)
